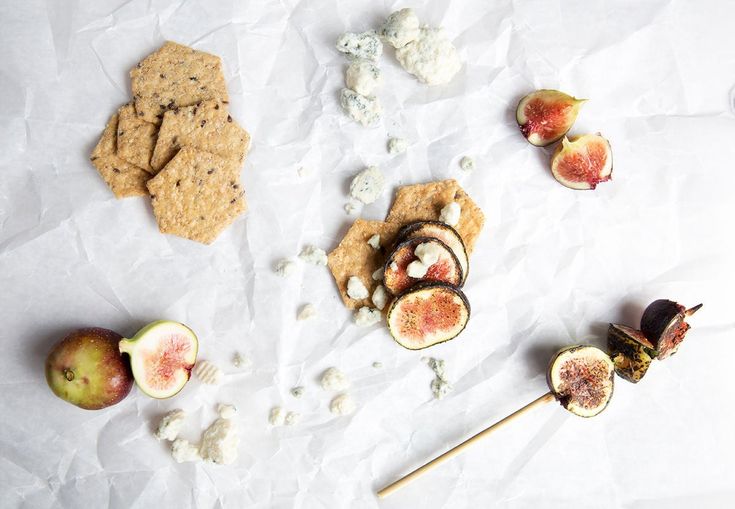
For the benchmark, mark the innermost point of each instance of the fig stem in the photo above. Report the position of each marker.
(691, 311)
(457, 449)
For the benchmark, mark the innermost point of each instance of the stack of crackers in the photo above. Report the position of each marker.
(177, 143)
(422, 202)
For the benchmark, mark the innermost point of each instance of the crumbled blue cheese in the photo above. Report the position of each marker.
(350, 208)
(334, 380)
(342, 405)
(367, 186)
(285, 267)
(378, 274)
(365, 316)
(363, 77)
(440, 386)
(277, 416)
(397, 145)
(467, 163)
(377, 364)
(182, 450)
(220, 442)
(170, 425)
(366, 45)
(356, 289)
(380, 297)
(297, 391)
(292, 418)
(450, 213)
(428, 254)
(307, 312)
(314, 255)
(361, 108)
(226, 411)
(416, 269)
(400, 28)
(374, 241)
(241, 361)
(432, 57)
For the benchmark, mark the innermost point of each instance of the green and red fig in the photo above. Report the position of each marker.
(581, 378)
(582, 162)
(664, 324)
(86, 369)
(544, 116)
(630, 351)
(162, 355)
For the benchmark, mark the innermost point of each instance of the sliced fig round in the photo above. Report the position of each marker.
(581, 377)
(444, 233)
(664, 324)
(428, 314)
(630, 352)
(544, 116)
(399, 277)
(162, 355)
(582, 162)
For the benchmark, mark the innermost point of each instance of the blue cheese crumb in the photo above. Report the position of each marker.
(367, 186)
(363, 77)
(397, 146)
(365, 45)
(467, 163)
(361, 108)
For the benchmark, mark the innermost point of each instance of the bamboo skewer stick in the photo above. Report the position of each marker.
(451, 453)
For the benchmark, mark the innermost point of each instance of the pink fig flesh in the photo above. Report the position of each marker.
(664, 324)
(544, 116)
(582, 162)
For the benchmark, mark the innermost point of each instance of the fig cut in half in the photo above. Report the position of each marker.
(630, 352)
(442, 232)
(446, 269)
(428, 314)
(544, 116)
(582, 162)
(664, 324)
(162, 355)
(581, 378)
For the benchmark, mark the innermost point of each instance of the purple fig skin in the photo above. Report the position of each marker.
(86, 369)
(664, 324)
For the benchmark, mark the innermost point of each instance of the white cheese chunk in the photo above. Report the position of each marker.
(314, 255)
(334, 380)
(220, 442)
(367, 186)
(365, 316)
(374, 241)
(450, 213)
(378, 274)
(356, 289)
(397, 146)
(467, 163)
(416, 269)
(365, 45)
(400, 28)
(277, 416)
(364, 77)
(307, 312)
(364, 109)
(285, 267)
(432, 57)
(292, 418)
(342, 405)
(380, 297)
(170, 425)
(182, 450)
(226, 411)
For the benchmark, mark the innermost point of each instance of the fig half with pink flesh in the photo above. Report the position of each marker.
(544, 116)
(582, 162)
(664, 324)
(428, 314)
(442, 232)
(162, 355)
(582, 378)
(396, 277)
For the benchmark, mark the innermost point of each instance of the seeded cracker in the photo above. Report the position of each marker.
(206, 126)
(175, 76)
(197, 195)
(135, 138)
(355, 257)
(423, 202)
(123, 178)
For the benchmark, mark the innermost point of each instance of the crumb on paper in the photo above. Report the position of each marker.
(292, 418)
(314, 255)
(220, 442)
(297, 391)
(277, 416)
(467, 163)
(170, 425)
(397, 146)
(182, 451)
(226, 411)
(343, 404)
(333, 379)
(241, 361)
(307, 312)
(377, 364)
(440, 386)
(285, 267)
(367, 186)
(366, 316)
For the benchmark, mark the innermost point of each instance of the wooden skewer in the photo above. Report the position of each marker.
(451, 453)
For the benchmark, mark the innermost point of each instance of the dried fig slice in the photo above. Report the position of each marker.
(446, 268)
(664, 324)
(630, 352)
(442, 232)
(581, 377)
(544, 116)
(162, 355)
(582, 162)
(428, 314)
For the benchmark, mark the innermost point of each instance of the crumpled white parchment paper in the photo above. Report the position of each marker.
(552, 267)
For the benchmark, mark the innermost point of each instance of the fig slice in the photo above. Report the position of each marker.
(582, 162)
(428, 314)
(664, 324)
(443, 232)
(445, 269)
(544, 116)
(162, 355)
(630, 352)
(581, 377)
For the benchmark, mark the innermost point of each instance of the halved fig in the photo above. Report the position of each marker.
(442, 232)
(428, 314)
(582, 162)
(544, 116)
(582, 377)
(445, 269)
(630, 352)
(162, 355)
(664, 324)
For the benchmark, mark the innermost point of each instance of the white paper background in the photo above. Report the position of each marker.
(552, 267)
